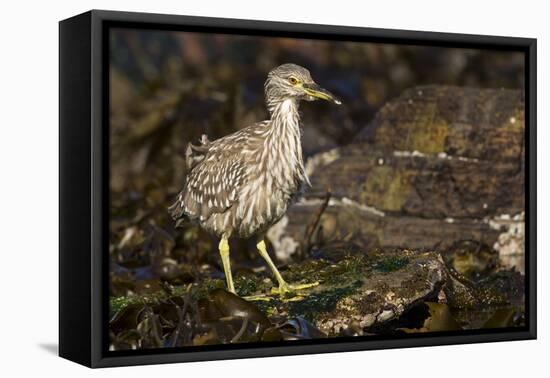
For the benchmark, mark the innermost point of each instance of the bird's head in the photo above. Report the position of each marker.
(290, 81)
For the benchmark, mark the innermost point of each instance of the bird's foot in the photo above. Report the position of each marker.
(285, 290)
(257, 297)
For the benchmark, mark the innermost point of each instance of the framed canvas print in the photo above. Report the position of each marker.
(233, 188)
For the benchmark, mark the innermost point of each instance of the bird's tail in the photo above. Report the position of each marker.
(176, 211)
(193, 156)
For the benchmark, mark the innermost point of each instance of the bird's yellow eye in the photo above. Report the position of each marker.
(293, 80)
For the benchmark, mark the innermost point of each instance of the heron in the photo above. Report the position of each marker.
(243, 183)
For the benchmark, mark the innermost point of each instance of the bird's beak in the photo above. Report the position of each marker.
(314, 90)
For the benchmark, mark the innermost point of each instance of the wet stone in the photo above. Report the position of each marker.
(359, 291)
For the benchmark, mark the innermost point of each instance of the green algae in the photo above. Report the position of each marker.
(116, 304)
(248, 285)
(345, 272)
(318, 303)
(388, 264)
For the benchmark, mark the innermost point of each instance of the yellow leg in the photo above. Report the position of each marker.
(283, 286)
(263, 252)
(224, 253)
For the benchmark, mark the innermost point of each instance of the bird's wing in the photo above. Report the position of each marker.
(215, 179)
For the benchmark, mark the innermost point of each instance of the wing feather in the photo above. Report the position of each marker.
(217, 174)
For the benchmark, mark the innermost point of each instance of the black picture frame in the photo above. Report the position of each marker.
(84, 194)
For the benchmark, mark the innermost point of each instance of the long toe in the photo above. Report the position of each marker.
(285, 289)
(304, 286)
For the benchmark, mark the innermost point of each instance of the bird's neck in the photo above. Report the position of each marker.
(285, 116)
(284, 143)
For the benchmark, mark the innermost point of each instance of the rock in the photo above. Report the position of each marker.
(359, 291)
(503, 288)
(452, 120)
(472, 259)
(437, 166)
(495, 299)
(345, 220)
(440, 318)
(415, 184)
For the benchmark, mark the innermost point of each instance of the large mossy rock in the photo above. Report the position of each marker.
(436, 166)
(484, 124)
(427, 186)
(357, 291)
(370, 292)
